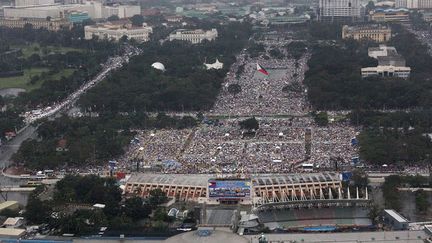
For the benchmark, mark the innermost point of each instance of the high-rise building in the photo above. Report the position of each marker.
(336, 10)
(94, 9)
(414, 4)
(24, 3)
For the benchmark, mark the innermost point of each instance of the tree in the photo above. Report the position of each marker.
(421, 200)
(369, 7)
(390, 192)
(156, 197)
(137, 20)
(374, 213)
(234, 89)
(83, 222)
(37, 211)
(249, 124)
(136, 209)
(113, 18)
(9, 213)
(123, 39)
(321, 118)
(360, 178)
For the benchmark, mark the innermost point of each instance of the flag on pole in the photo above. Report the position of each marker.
(262, 70)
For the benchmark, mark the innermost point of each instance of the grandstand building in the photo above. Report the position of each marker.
(212, 190)
(277, 187)
(182, 187)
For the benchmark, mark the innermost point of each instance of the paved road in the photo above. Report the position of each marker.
(110, 65)
(9, 148)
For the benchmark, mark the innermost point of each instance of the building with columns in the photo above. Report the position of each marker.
(51, 25)
(210, 189)
(115, 30)
(377, 33)
(194, 36)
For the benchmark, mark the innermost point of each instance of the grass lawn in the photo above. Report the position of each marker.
(29, 50)
(23, 81)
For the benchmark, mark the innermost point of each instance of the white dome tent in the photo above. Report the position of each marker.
(158, 66)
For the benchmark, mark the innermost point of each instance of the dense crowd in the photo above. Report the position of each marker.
(261, 94)
(281, 144)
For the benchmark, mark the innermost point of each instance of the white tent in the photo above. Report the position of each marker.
(158, 66)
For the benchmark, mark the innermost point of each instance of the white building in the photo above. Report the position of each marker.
(23, 3)
(95, 10)
(116, 30)
(414, 4)
(339, 9)
(122, 11)
(386, 71)
(381, 51)
(194, 36)
(390, 63)
(215, 65)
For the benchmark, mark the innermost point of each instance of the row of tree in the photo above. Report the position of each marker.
(185, 85)
(392, 195)
(395, 138)
(334, 80)
(87, 141)
(75, 191)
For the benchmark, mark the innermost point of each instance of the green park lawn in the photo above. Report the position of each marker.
(23, 81)
(28, 50)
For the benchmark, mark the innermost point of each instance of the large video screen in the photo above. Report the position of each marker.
(229, 188)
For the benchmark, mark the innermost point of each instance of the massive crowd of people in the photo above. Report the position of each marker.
(263, 94)
(287, 136)
(279, 145)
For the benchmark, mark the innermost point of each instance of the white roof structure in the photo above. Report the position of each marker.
(13, 222)
(159, 66)
(396, 216)
(11, 232)
(99, 205)
(215, 65)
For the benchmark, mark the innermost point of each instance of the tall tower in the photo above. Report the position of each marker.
(339, 10)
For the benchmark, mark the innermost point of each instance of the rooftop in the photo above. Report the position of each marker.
(11, 232)
(7, 204)
(295, 178)
(202, 179)
(170, 179)
(396, 216)
(366, 27)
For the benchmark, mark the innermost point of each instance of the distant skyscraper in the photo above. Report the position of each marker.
(335, 10)
(23, 3)
(414, 4)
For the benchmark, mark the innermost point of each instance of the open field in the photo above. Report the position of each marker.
(23, 81)
(29, 50)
